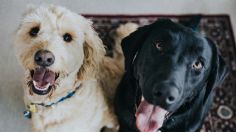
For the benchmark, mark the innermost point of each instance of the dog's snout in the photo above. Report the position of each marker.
(166, 95)
(44, 58)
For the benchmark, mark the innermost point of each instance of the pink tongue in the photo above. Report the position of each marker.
(43, 77)
(149, 118)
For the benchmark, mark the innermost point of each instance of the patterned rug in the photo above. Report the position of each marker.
(222, 117)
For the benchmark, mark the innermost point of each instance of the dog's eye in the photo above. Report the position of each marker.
(67, 37)
(34, 31)
(198, 65)
(159, 46)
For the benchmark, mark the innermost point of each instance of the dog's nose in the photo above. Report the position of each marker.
(166, 95)
(44, 58)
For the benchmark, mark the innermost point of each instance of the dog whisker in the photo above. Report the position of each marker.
(51, 92)
(30, 85)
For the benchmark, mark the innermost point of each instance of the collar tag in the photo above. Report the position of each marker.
(31, 109)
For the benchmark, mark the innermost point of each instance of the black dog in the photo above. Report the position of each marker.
(171, 73)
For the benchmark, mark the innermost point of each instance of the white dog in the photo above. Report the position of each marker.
(69, 83)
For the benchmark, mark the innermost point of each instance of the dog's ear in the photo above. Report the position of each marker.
(132, 43)
(193, 22)
(219, 70)
(94, 51)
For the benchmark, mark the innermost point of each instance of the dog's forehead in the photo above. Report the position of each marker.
(180, 40)
(177, 36)
(51, 16)
(166, 30)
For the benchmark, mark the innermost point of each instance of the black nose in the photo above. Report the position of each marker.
(166, 95)
(44, 58)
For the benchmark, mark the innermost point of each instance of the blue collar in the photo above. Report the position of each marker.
(32, 107)
(70, 94)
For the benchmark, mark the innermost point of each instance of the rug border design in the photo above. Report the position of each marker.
(167, 16)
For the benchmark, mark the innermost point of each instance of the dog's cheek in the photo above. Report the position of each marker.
(60, 54)
(76, 56)
(27, 61)
(25, 56)
(25, 49)
(68, 57)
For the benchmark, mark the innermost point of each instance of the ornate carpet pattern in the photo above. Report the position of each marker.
(222, 117)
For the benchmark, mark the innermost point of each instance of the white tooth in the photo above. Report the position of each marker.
(37, 88)
(42, 89)
(47, 85)
(142, 98)
(34, 83)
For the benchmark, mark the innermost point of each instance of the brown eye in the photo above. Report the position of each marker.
(67, 37)
(34, 31)
(198, 65)
(159, 46)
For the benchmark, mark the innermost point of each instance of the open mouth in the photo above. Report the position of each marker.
(149, 117)
(43, 80)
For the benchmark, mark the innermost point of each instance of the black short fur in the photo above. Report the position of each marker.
(147, 68)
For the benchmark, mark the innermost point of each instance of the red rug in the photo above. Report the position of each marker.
(222, 117)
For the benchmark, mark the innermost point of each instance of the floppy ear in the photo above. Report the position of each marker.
(219, 69)
(94, 52)
(132, 43)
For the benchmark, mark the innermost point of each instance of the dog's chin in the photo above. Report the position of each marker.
(149, 117)
(42, 81)
(41, 91)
